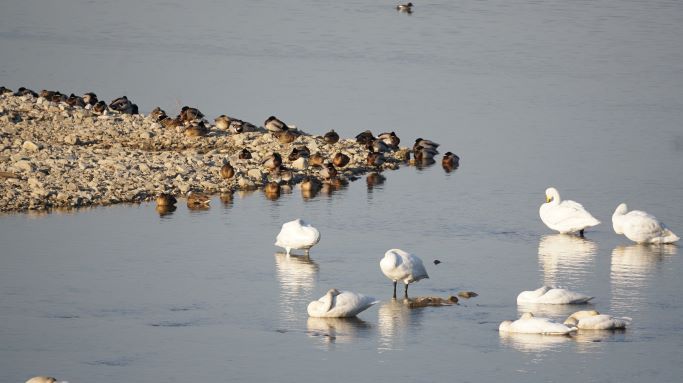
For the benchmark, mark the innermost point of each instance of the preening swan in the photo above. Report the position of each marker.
(44, 379)
(340, 304)
(565, 216)
(529, 324)
(552, 296)
(593, 320)
(641, 227)
(399, 265)
(297, 234)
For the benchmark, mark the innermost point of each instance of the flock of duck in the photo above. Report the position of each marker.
(567, 217)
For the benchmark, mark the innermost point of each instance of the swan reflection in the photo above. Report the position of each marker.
(297, 277)
(631, 269)
(588, 341)
(337, 330)
(533, 342)
(565, 259)
(395, 319)
(551, 311)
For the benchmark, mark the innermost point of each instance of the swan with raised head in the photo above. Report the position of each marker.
(529, 324)
(565, 216)
(641, 227)
(340, 304)
(297, 234)
(593, 320)
(399, 265)
(552, 296)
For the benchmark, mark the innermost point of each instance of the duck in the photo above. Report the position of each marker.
(75, 101)
(328, 171)
(157, 114)
(273, 162)
(245, 154)
(121, 105)
(340, 304)
(365, 137)
(272, 188)
(198, 200)
(25, 92)
(196, 130)
(4, 90)
(170, 123)
(316, 159)
(377, 146)
(421, 143)
(375, 159)
(298, 235)
(236, 126)
(374, 179)
(44, 379)
(100, 107)
(274, 125)
(227, 171)
(165, 199)
(399, 265)
(450, 161)
(331, 137)
(424, 155)
(287, 136)
(641, 227)
(90, 98)
(222, 122)
(529, 324)
(188, 114)
(390, 139)
(567, 216)
(340, 160)
(593, 320)
(553, 296)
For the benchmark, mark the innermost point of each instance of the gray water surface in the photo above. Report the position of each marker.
(584, 96)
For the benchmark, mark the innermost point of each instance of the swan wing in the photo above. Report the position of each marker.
(567, 216)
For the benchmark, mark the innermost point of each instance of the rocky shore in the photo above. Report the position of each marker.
(55, 155)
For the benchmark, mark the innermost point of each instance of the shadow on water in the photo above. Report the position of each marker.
(632, 268)
(331, 331)
(297, 276)
(566, 260)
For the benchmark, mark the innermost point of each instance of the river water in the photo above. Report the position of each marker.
(581, 95)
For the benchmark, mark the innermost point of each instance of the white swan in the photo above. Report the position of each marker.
(529, 324)
(641, 227)
(44, 379)
(593, 320)
(399, 265)
(297, 234)
(339, 304)
(565, 216)
(552, 296)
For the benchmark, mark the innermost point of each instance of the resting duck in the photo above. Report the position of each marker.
(407, 8)
(450, 161)
(122, 105)
(157, 114)
(274, 125)
(340, 160)
(245, 154)
(198, 200)
(331, 137)
(165, 199)
(273, 162)
(222, 122)
(365, 137)
(90, 98)
(390, 139)
(227, 171)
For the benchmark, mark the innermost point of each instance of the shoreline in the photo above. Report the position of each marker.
(53, 155)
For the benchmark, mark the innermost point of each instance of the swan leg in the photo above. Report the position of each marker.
(307, 250)
(405, 292)
(288, 249)
(394, 289)
(581, 233)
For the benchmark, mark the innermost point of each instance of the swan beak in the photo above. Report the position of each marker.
(548, 198)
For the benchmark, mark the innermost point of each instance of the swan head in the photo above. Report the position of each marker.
(552, 195)
(333, 292)
(505, 325)
(573, 319)
(527, 316)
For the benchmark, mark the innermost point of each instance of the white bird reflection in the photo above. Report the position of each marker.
(551, 311)
(566, 259)
(394, 319)
(588, 341)
(533, 342)
(632, 267)
(297, 276)
(337, 330)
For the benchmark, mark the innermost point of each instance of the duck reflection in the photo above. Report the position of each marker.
(337, 330)
(395, 319)
(374, 179)
(566, 259)
(533, 342)
(632, 267)
(165, 210)
(297, 276)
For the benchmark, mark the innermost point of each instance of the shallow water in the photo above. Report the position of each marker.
(584, 96)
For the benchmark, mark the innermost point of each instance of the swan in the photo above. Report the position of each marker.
(641, 227)
(552, 296)
(529, 324)
(297, 234)
(593, 320)
(44, 379)
(565, 216)
(340, 304)
(399, 265)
